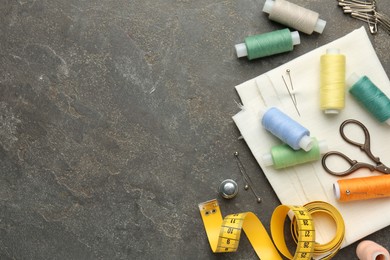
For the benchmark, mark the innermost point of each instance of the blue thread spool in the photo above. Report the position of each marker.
(370, 96)
(286, 129)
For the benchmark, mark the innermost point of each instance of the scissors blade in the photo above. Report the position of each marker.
(382, 168)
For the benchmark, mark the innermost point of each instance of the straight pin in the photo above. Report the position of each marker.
(293, 98)
(292, 86)
(247, 179)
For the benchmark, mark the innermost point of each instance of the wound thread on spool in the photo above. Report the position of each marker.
(286, 129)
(267, 44)
(294, 16)
(369, 250)
(362, 188)
(370, 97)
(283, 156)
(332, 89)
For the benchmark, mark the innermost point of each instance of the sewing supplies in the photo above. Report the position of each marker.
(332, 88)
(224, 234)
(330, 248)
(283, 156)
(267, 44)
(366, 11)
(246, 178)
(294, 16)
(286, 129)
(363, 188)
(228, 189)
(365, 147)
(370, 96)
(369, 250)
(305, 231)
(292, 95)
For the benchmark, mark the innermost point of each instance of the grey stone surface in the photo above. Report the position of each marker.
(116, 122)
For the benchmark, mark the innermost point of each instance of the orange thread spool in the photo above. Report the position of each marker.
(362, 188)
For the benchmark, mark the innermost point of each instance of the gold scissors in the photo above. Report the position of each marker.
(365, 147)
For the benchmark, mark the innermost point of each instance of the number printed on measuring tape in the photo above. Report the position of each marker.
(229, 236)
(306, 233)
(224, 234)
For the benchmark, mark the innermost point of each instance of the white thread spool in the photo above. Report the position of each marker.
(294, 16)
(369, 250)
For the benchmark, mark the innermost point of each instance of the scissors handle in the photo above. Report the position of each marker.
(366, 146)
(355, 165)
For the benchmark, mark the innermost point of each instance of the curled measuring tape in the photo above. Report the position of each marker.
(224, 234)
(305, 231)
(327, 250)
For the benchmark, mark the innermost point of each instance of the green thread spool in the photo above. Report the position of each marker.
(283, 156)
(267, 44)
(370, 97)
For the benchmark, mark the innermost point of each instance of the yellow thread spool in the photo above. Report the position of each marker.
(332, 90)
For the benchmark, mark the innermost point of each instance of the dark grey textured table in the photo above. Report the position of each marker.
(116, 122)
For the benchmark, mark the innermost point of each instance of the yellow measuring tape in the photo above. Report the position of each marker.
(329, 249)
(224, 233)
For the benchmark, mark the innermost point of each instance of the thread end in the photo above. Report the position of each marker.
(306, 143)
(333, 51)
(269, 4)
(352, 79)
(323, 146)
(331, 111)
(241, 50)
(262, 112)
(336, 190)
(320, 26)
(295, 38)
(267, 159)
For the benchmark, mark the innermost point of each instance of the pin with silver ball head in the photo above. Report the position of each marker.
(247, 180)
(228, 189)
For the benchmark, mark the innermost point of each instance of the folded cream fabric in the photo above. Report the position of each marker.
(309, 182)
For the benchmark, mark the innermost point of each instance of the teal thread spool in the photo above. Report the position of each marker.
(267, 44)
(371, 97)
(283, 156)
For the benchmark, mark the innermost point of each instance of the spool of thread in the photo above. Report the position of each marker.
(369, 250)
(283, 156)
(362, 188)
(370, 97)
(294, 16)
(332, 90)
(286, 129)
(267, 44)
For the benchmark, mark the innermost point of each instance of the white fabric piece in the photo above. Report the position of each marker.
(309, 182)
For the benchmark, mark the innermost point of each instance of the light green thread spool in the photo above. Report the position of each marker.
(371, 97)
(283, 156)
(266, 44)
